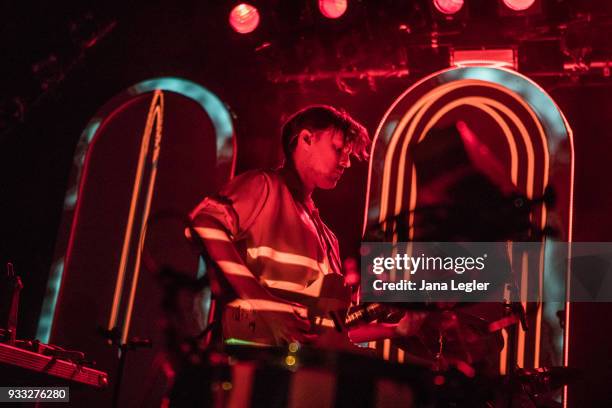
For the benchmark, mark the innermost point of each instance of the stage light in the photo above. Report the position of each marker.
(518, 5)
(448, 6)
(244, 18)
(332, 8)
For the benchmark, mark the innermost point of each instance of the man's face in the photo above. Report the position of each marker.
(329, 157)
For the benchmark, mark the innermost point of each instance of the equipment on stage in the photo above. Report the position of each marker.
(30, 363)
(445, 364)
(10, 286)
(448, 363)
(50, 366)
(297, 376)
(294, 376)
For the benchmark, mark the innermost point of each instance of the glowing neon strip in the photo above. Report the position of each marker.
(412, 203)
(520, 352)
(386, 349)
(566, 344)
(538, 328)
(155, 116)
(127, 237)
(201, 268)
(50, 301)
(238, 342)
(395, 137)
(503, 353)
(401, 356)
(503, 363)
(483, 63)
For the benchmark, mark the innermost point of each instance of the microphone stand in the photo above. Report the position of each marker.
(114, 336)
(513, 308)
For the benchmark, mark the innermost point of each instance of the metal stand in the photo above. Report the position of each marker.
(135, 343)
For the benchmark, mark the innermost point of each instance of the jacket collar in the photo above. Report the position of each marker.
(295, 185)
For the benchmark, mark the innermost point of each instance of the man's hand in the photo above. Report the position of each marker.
(289, 326)
(263, 320)
(410, 324)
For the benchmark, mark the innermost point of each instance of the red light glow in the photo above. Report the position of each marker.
(448, 6)
(439, 380)
(244, 18)
(332, 8)
(519, 5)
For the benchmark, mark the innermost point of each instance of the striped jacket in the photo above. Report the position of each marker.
(265, 233)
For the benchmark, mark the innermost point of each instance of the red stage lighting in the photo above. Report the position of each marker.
(518, 5)
(244, 18)
(448, 6)
(332, 8)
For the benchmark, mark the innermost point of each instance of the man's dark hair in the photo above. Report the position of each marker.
(321, 117)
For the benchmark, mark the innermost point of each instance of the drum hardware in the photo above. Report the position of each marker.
(540, 382)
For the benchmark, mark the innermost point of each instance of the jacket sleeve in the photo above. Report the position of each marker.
(221, 220)
(236, 205)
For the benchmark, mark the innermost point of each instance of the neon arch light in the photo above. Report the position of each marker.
(415, 112)
(225, 146)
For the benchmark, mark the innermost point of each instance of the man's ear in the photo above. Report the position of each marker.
(306, 136)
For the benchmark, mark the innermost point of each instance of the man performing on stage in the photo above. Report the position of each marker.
(278, 265)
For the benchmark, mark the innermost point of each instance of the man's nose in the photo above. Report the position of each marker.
(345, 161)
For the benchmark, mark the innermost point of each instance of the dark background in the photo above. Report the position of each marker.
(46, 102)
